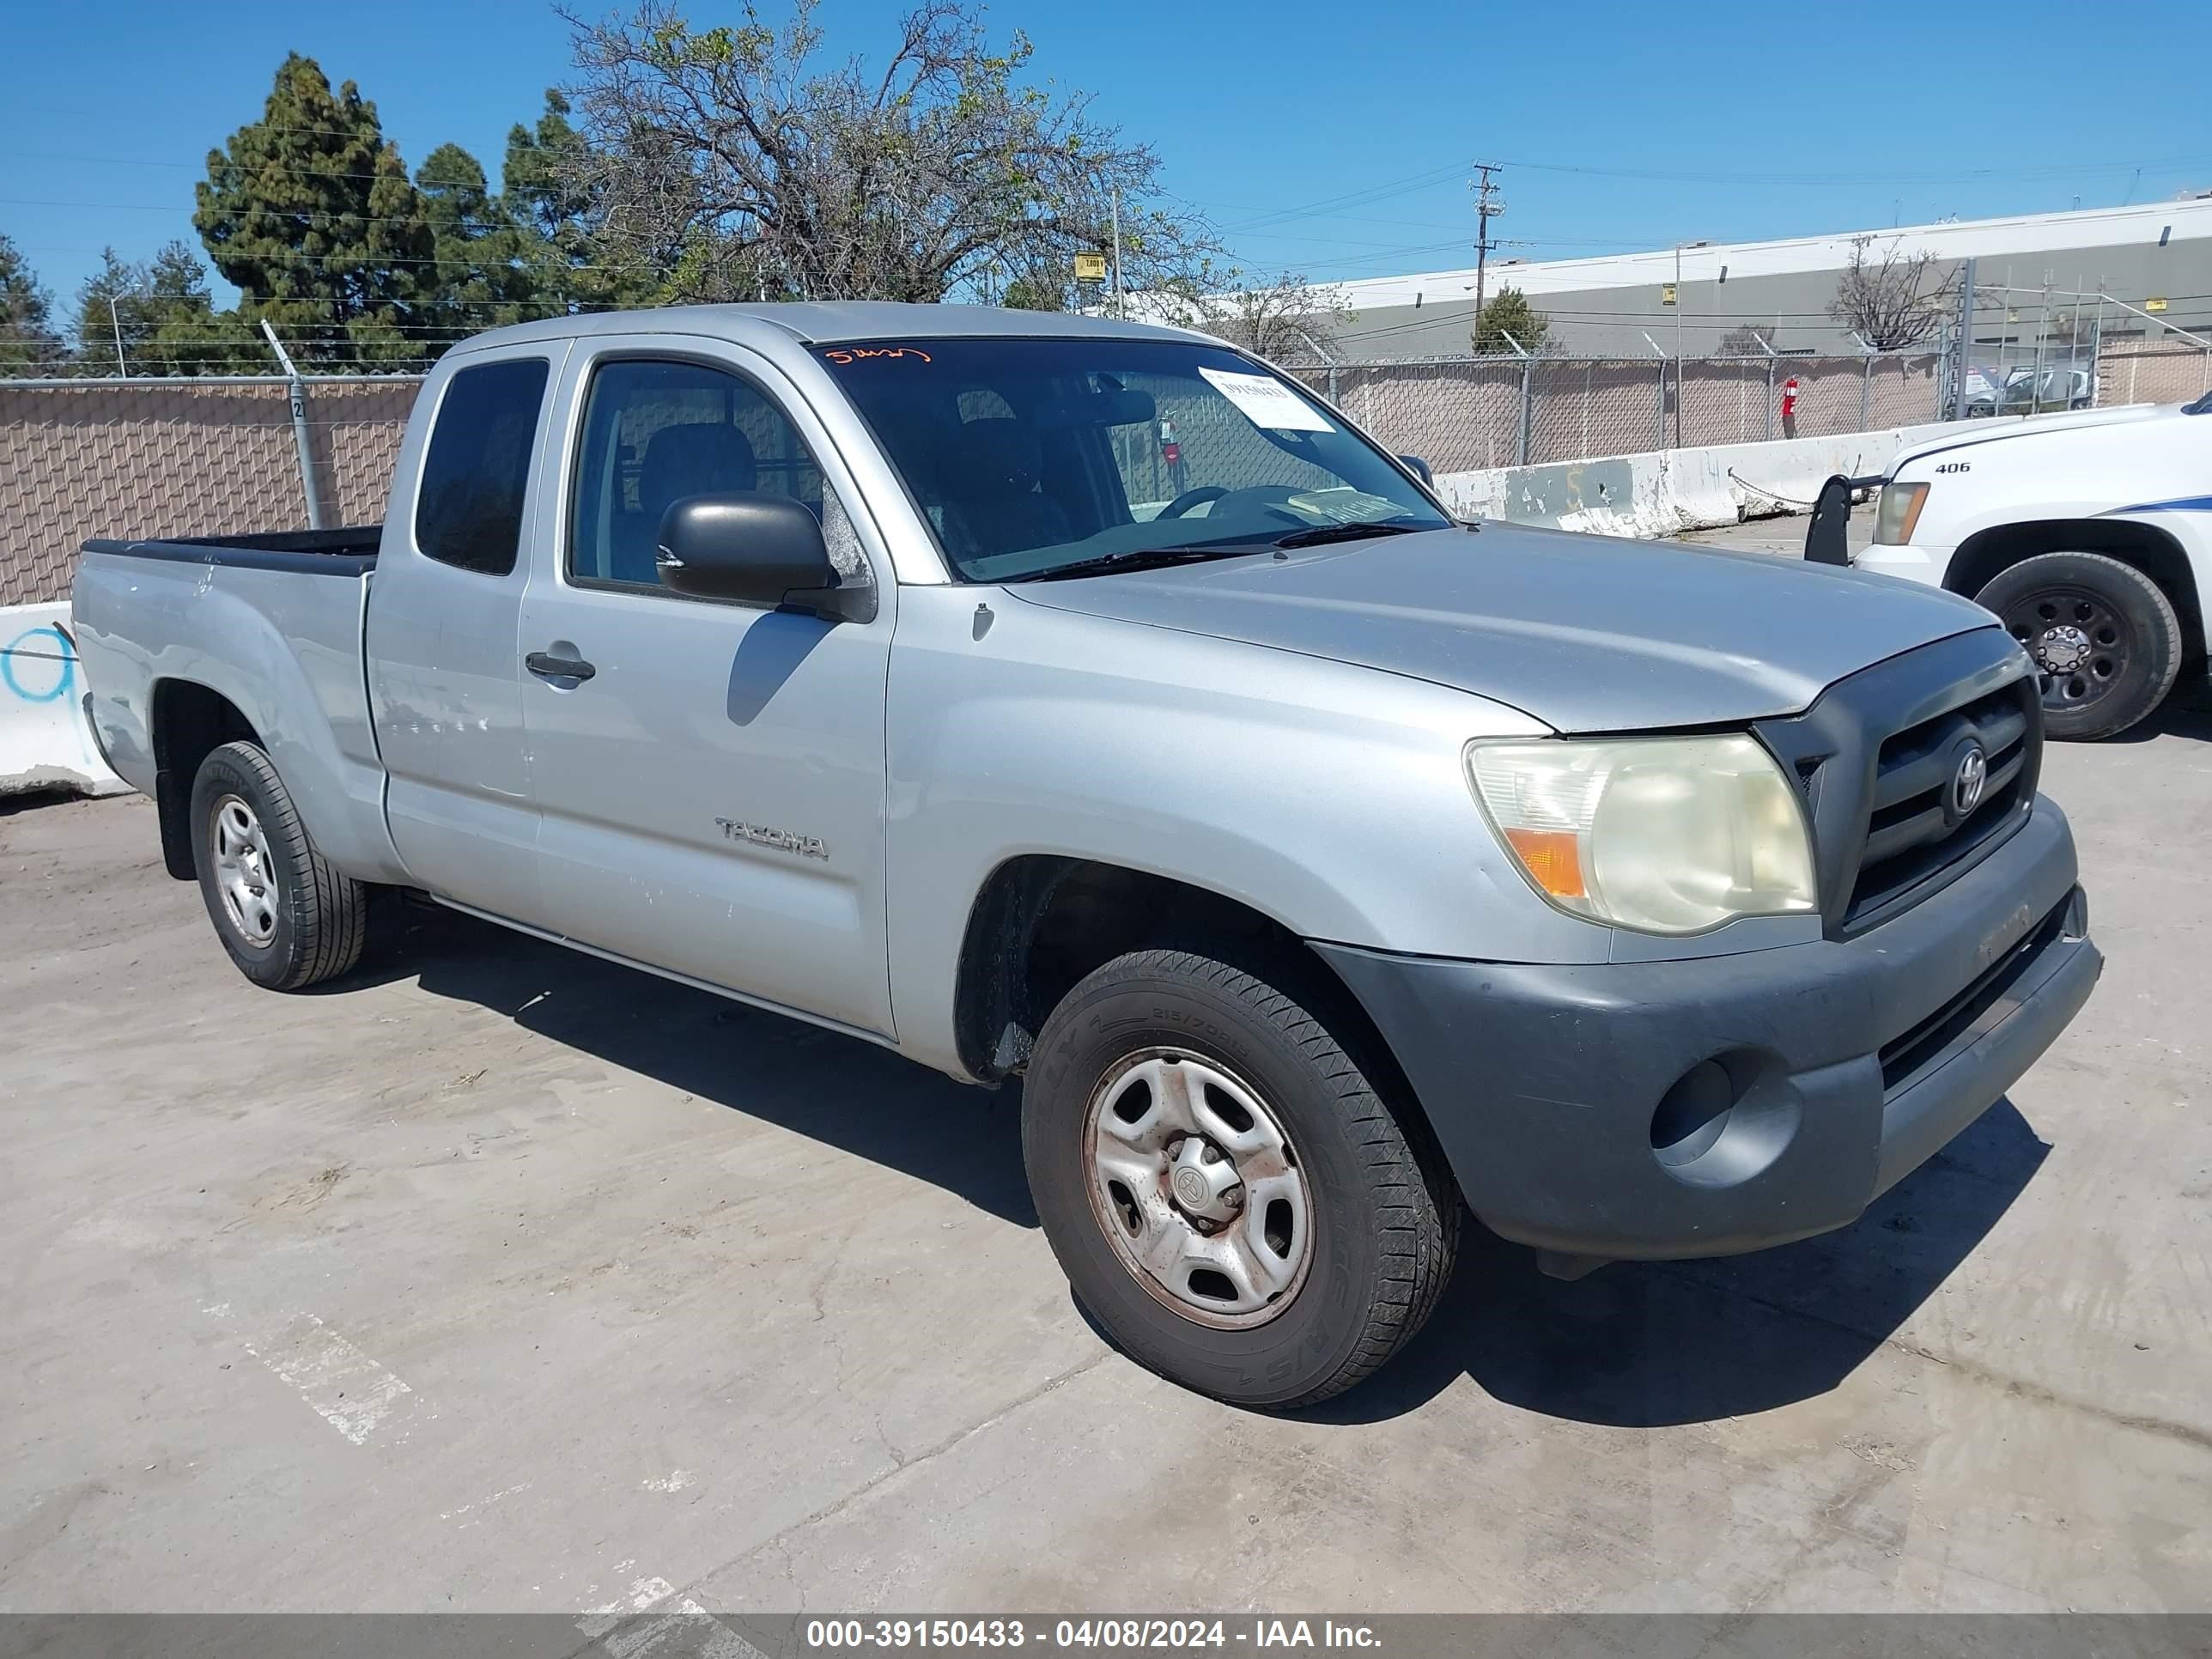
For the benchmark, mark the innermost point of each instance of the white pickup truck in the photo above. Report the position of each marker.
(2090, 535)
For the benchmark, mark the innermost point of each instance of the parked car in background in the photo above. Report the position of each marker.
(2034, 391)
(2089, 535)
(1318, 862)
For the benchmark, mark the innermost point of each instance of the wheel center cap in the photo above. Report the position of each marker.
(1204, 1182)
(2062, 649)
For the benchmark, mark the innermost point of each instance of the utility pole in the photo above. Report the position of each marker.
(1488, 204)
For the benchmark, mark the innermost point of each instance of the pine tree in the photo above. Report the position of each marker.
(555, 215)
(159, 318)
(28, 344)
(311, 214)
(1510, 313)
(489, 270)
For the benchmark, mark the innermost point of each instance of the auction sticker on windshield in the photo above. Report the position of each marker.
(1267, 402)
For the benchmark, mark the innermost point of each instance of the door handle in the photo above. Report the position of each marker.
(548, 666)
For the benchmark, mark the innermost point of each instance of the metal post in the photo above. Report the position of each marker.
(1527, 362)
(1772, 358)
(1965, 342)
(1866, 377)
(122, 368)
(1117, 253)
(1659, 410)
(1678, 345)
(2042, 334)
(1326, 355)
(299, 436)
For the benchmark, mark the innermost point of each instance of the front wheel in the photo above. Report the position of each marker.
(2105, 640)
(286, 918)
(1227, 1192)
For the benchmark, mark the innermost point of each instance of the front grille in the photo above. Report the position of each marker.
(1876, 757)
(1911, 835)
(1908, 1052)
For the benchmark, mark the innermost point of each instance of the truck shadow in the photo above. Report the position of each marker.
(1649, 1345)
(1635, 1344)
(836, 1089)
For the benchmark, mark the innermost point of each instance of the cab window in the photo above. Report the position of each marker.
(476, 475)
(656, 432)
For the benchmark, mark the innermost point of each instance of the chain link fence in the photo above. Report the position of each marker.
(1466, 413)
(148, 457)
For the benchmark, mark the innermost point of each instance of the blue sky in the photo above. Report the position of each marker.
(1330, 140)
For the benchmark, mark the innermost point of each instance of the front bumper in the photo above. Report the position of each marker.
(1836, 1068)
(1918, 564)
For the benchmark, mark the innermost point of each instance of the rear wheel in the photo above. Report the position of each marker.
(1229, 1194)
(286, 918)
(2104, 638)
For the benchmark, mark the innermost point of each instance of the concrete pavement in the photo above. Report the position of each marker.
(499, 1277)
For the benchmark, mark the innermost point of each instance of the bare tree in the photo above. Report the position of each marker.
(739, 162)
(1287, 320)
(1885, 302)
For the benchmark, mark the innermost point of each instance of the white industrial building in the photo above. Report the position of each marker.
(2030, 272)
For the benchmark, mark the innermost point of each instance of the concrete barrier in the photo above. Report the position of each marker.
(44, 741)
(1665, 492)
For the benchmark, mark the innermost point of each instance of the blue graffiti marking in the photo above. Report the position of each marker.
(67, 658)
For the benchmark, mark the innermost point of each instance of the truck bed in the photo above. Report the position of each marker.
(348, 552)
(237, 618)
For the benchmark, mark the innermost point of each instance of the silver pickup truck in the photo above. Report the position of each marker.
(1062, 698)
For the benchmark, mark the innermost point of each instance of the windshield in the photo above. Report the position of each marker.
(1035, 456)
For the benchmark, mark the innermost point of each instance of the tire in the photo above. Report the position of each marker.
(288, 919)
(2105, 641)
(1354, 1230)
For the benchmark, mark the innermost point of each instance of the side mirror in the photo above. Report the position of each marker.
(757, 550)
(1419, 468)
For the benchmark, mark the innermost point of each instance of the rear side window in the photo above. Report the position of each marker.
(477, 475)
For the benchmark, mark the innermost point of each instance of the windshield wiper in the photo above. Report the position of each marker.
(1321, 535)
(1144, 558)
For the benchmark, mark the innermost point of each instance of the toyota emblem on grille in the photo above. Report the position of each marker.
(1968, 781)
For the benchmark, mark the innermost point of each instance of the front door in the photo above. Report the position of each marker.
(709, 777)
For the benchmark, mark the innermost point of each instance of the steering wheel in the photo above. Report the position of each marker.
(1190, 498)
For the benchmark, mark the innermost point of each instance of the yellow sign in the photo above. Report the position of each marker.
(1089, 267)
(2154, 305)
(1666, 294)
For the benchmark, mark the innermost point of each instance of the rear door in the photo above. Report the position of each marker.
(445, 673)
(712, 791)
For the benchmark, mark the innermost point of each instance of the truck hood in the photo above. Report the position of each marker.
(1584, 633)
(2010, 428)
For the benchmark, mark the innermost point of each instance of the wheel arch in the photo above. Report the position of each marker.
(1983, 555)
(1042, 922)
(188, 722)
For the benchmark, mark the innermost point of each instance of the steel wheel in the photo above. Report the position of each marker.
(244, 873)
(2080, 643)
(1197, 1187)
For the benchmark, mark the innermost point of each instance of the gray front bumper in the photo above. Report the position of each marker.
(1850, 1062)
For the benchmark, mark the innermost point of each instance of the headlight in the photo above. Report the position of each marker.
(1897, 513)
(1660, 835)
